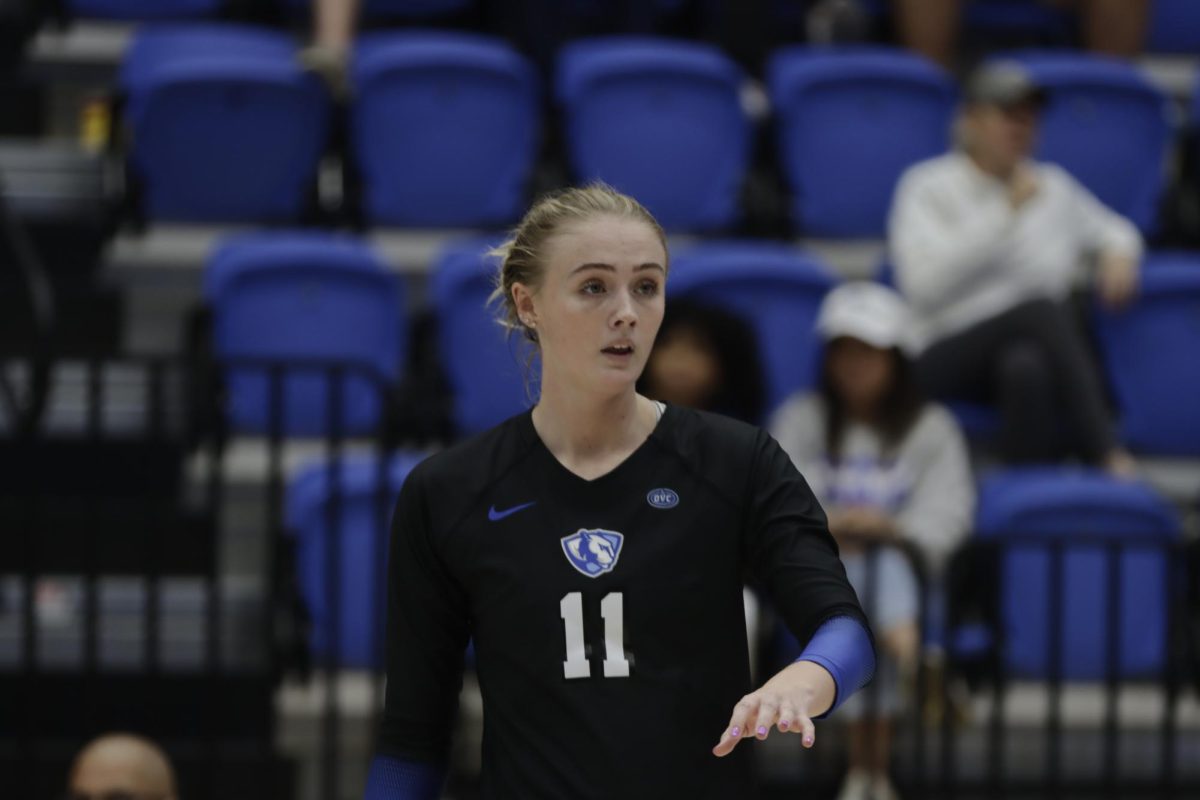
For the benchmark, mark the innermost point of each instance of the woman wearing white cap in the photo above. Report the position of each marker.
(885, 465)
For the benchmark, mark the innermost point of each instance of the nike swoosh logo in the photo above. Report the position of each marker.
(496, 516)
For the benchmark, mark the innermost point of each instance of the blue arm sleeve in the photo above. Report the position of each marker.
(396, 779)
(843, 647)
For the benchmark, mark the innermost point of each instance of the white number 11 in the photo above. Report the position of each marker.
(612, 610)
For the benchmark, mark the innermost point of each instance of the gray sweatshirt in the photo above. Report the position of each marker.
(962, 254)
(925, 484)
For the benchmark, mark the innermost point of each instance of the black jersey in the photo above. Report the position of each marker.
(606, 615)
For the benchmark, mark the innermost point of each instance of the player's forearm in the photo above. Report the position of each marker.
(842, 650)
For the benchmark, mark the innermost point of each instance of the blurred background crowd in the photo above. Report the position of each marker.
(946, 251)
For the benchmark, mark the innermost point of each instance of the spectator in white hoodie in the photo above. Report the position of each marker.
(886, 466)
(987, 244)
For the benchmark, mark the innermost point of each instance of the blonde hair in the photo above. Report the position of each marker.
(521, 255)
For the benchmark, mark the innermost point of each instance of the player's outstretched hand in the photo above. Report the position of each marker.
(788, 701)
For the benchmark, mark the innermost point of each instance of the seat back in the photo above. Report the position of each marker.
(1084, 514)
(225, 125)
(1150, 350)
(307, 302)
(353, 524)
(1174, 27)
(486, 368)
(849, 123)
(776, 289)
(1097, 107)
(444, 128)
(661, 120)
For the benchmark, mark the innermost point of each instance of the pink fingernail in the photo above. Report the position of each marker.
(762, 731)
(808, 741)
(783, 725)
(735, 731)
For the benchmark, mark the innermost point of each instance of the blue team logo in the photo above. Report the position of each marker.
(593, 551)
(662, 498)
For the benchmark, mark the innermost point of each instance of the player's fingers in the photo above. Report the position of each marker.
(789, 718)
(768, 714)
(739, 725)
(808, 732)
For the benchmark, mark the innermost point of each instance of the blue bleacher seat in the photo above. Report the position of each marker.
(484, 366)
(1097, 107)
(777, 289)
(225, 125)
(366, 497)
(1152, 354)
(849, 123)
(143, 9)
(444, 128)
(661, 120)
(304, 296)
(1083, 510)
(1174, 27)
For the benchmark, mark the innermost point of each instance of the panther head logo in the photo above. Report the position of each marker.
(593, 551)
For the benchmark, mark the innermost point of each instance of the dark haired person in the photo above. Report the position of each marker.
(706, 358)
(885, 465)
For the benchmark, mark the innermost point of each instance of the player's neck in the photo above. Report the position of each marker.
(577, 429)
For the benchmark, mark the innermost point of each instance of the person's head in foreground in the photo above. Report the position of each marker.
(583, 278)
(998, 124)
(121, 766)
(866, 373)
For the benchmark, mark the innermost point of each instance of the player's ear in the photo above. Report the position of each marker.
(522, 296)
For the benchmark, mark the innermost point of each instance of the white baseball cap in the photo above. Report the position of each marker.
(869, 312)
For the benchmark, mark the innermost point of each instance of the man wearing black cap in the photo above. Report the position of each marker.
(987, 244)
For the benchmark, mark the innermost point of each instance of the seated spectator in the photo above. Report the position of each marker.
(1111, 27)
(335, 24)
(986, 244)
(121, 765)
(886, 466)
(705, 358)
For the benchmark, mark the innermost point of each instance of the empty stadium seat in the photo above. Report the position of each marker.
(143, 9)
(366, 492)
(849, 123)
(304, 298)
(444, 128)
(1097, 108)
(485, 367)
(777, 289)
(1174, 27)
(661, 120)
(1152, 354)
(224, 124)
(1083, 511)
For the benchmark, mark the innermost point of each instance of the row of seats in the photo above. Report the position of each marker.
(1174, 24)
(1086, 511)
(318, 298)
(444, 129)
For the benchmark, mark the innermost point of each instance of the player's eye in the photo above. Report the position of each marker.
(592, 287)
(647, 288)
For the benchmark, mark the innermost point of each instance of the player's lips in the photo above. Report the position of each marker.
(619, 349)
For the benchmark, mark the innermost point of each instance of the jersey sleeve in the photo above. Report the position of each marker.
(427, 634)
(789, 548)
